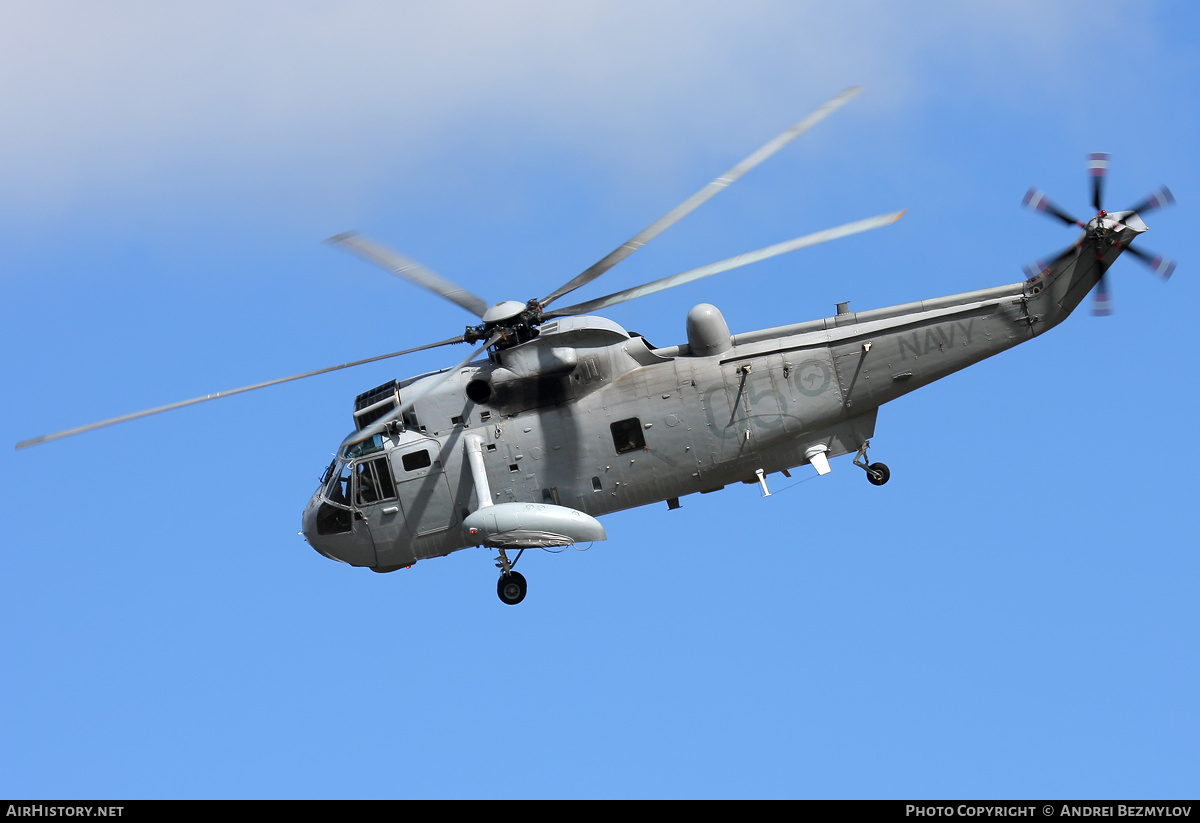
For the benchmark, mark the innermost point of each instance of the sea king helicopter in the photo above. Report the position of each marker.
(567, 416)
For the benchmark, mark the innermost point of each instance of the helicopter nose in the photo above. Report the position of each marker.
(335, 537)
(308, 527)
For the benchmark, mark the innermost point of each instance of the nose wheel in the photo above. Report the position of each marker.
(877, 473)
(511, 587)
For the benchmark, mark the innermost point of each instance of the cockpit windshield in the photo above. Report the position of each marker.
(333, 514)
(364, 481)
(337, 489)
(363, 447)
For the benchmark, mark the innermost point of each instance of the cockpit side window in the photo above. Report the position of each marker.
(373, 482)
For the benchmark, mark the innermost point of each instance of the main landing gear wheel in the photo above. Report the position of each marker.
(878, 474)
(511, 588)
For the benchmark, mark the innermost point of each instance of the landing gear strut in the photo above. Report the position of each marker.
(511, 586)
(877, 473)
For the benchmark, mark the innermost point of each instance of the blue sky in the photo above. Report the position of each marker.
(1014, 615)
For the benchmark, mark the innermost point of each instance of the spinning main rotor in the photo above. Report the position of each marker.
(511, 322)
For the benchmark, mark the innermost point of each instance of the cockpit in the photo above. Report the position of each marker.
(377, 497)
(355, 479)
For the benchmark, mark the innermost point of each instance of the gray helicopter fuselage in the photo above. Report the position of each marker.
(592, 418)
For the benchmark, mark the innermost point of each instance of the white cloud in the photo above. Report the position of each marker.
(137, 91)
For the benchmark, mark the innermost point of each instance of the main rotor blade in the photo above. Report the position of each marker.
(410, 270)
(725, 265)
(692, 203)
(381, 424)
(123, 418)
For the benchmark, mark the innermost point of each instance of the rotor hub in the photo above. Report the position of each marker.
(516, 322)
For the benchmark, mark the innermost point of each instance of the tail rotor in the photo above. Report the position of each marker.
(1103, 229)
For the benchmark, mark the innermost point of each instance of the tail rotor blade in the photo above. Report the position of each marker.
(1098, 169)
(1102, 301)
(1164, 267)
(1102, 297)
(1156, 200)
(1032, 270)
(1037, 200)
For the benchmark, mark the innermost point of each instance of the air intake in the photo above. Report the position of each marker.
(374, 404)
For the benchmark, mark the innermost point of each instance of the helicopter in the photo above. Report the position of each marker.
(566, 416)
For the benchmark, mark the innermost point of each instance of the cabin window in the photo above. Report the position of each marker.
(373, 482)
(417, 460)
(627, 435)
